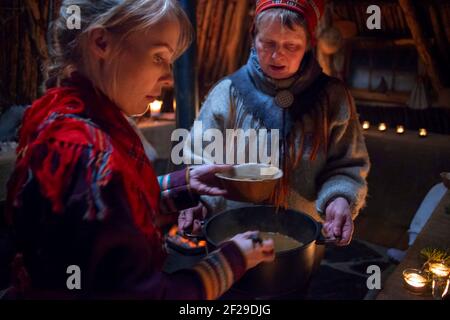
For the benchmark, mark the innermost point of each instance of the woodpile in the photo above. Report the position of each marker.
(223, 38)
(23, 28)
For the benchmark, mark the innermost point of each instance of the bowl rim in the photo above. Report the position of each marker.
(278, 175)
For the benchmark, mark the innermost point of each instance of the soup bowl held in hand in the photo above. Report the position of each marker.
(250, 182)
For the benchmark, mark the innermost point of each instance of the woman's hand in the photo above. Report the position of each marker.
(338, 221)
(254, 252)
(204, 181)
(190, 219)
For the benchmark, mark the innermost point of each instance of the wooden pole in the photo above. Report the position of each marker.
(441, 39)
(422, 44)
(185, 72)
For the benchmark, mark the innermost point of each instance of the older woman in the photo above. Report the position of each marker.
(84, 192)
(322, 153)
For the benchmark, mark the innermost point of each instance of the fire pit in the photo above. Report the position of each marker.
(185, 243)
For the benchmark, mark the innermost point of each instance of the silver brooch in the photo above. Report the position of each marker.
(284, 99)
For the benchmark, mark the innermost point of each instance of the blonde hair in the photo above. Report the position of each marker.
(287, 18)
(120, 17)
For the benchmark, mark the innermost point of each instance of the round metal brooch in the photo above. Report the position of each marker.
(284, 99)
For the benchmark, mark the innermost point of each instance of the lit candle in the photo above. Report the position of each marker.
(400, 129)
(439, 287)
(366, 125)
(414, 280)
(174, 105)
(423, 132)
(439, 269)
(440, 282)
(382, 126)
(155, 107)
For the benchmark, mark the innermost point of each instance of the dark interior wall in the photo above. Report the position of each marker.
(435, 120)
(404, 168)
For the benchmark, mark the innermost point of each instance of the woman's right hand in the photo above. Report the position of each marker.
(254, 252)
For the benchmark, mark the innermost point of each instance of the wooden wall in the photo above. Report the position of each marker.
(223, 31)
(23, 27)
(223, 38)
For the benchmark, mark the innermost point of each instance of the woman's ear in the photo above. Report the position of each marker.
(99, 42)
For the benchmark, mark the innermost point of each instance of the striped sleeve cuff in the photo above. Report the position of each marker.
(176, 193)
(219, 270)
(173, 180)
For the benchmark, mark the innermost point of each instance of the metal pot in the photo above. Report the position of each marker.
(291, 270)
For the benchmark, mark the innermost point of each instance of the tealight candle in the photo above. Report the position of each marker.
(414, 280)
(400, 129)
(423, 132)
(439, 269)
(155, 107)
(366, 125)
(382, 126)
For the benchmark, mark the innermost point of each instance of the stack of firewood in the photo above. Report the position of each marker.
(23, 29)
(223, 38)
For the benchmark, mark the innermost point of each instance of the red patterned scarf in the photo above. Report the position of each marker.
(83, 114)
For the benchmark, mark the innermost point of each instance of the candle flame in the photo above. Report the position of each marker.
(439, 269)
(423, 132)
(155, 107)
(382, 126)
(415, 280)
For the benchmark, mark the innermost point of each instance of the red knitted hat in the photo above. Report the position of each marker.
(311, 10)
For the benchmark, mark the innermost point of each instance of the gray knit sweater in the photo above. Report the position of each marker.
(341, 172)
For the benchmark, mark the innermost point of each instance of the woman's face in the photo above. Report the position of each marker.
(280, 50)
(145, 67)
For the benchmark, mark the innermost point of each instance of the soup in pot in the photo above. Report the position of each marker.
(281, 241)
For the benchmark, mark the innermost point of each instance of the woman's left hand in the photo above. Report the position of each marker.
(339, 222)
(203, 179)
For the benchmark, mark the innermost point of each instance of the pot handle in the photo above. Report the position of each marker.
(322, 239)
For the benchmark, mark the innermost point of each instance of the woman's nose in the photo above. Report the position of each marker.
(276, 53)
(167, 78)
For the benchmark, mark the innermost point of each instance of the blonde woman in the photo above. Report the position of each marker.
(322, 149)
(83, 192)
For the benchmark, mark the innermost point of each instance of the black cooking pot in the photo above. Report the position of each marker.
(291, 270)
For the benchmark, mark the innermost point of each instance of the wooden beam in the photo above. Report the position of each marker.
(441, 38)
(422, 44)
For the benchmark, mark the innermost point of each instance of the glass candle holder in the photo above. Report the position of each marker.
(415, 281)
(400, 129)
(439, 287)
(440, 275)
(366, 125)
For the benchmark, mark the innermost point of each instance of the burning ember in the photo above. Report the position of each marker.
(185, 243)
